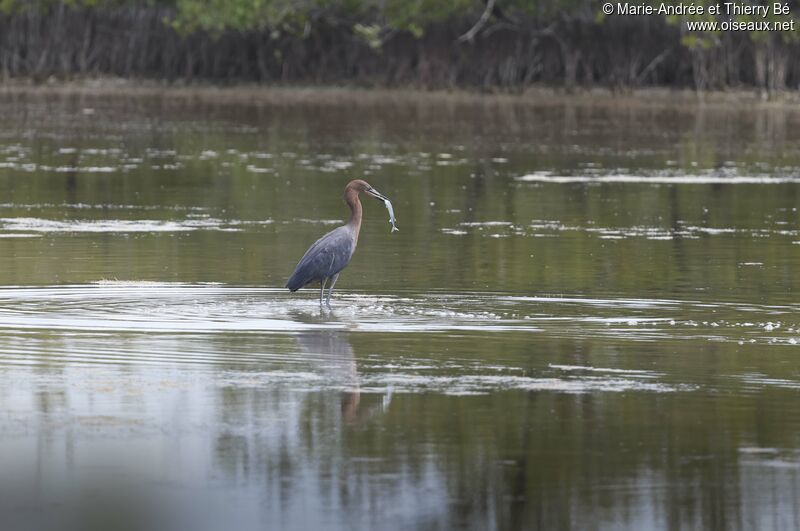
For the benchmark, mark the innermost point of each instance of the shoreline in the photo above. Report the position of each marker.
(253, 94)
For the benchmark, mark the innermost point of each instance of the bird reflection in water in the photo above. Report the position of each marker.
(337, 363)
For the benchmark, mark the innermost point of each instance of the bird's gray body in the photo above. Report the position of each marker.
(325, 259)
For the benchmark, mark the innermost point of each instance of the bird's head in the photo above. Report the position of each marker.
(359, 185)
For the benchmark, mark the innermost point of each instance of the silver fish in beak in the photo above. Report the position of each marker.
(392, 219)
(388, 204)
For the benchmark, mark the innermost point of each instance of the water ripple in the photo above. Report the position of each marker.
(215, 308)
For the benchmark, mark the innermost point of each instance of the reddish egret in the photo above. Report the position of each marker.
(330, 254)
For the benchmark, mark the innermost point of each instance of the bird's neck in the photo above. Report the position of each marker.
(351, 197)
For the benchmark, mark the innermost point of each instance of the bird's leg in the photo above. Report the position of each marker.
(322, 289)
(334, 278)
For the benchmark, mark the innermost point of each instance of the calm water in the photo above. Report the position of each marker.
(588, 319)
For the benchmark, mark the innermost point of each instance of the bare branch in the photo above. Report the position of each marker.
(654, 63)
(470, 35)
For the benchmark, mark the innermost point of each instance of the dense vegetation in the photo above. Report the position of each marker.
(428, 43)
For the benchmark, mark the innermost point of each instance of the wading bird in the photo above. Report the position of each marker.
(330, 254)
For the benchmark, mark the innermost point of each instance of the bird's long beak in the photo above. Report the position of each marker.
(376, 194)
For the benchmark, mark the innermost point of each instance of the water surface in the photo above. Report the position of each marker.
(587, 320)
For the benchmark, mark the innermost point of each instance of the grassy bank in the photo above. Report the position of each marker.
(252, 94)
